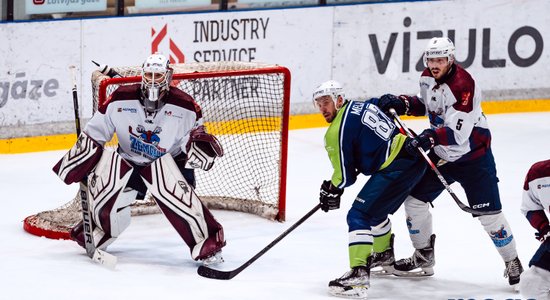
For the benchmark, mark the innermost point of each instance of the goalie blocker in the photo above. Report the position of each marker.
(110, 197)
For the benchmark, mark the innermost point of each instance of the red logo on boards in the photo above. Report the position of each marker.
(38, 2)
(175, 55)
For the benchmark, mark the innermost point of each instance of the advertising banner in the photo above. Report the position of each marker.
(35, 82)
(503, 47)
(61, 6)
(170, 3)
(371, 48)
(284, 37)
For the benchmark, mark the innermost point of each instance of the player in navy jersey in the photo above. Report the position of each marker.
(535, 281)
(161, 140)
(460, 143)
(361, 139)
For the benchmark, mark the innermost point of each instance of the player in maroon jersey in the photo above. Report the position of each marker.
(535, 281)
(460, 143)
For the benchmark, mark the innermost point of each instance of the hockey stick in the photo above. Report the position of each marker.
(441, 178)
(95, 254)
(207, 272)
(105, 70)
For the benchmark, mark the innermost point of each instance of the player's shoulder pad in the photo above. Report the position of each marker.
(180, 98)
(462, 85)
(538, 170)
(124, 92)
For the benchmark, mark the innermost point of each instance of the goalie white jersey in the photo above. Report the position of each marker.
(142, 136)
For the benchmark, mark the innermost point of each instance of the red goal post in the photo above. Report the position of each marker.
(246, 105)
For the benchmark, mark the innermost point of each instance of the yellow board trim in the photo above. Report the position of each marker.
(65, 141)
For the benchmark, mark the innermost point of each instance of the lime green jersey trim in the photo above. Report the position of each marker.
(395, 147)
(332, 145)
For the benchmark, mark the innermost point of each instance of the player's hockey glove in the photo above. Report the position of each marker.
(426, 140)
(330, 196)
(400, 104)
(544, 234)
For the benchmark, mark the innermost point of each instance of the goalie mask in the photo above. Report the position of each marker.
(156, 76)
(330, 88)
(440, 47)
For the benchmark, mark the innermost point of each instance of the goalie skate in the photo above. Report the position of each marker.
(420, 264)
(215, 259)
(353, 284)
(382, 263)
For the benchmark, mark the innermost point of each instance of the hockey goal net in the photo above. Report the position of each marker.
(246, 105)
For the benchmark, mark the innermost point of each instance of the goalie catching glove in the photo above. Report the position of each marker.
(202, 149)
(329, 196)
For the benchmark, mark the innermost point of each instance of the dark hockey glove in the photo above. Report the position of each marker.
(202, 149)
(543, 234)
(329, 196)
(400, 104)
(426, 140)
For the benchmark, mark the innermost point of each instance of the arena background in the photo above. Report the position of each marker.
(372, 48)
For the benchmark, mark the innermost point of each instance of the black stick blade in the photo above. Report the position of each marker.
(216, 274)
(225, 275)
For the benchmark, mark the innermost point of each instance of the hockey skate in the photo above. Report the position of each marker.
(513, 271)
(422, 259)
(214, 259)
(353, 284)
(382, 263)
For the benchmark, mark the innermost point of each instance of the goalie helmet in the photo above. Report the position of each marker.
(156, 75)
(330, 88)
(439, 47)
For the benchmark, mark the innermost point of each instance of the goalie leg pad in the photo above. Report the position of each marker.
(501, 234)
(81, 158)
(110, 200)
(183, 208)
(101, 239)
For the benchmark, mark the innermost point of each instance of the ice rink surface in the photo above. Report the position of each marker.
(154, 263)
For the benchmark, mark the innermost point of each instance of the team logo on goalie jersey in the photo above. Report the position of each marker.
(146, 142)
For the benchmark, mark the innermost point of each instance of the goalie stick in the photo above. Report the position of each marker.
(462, 206)
(207, 272)
(95, 254)
(106, 70)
